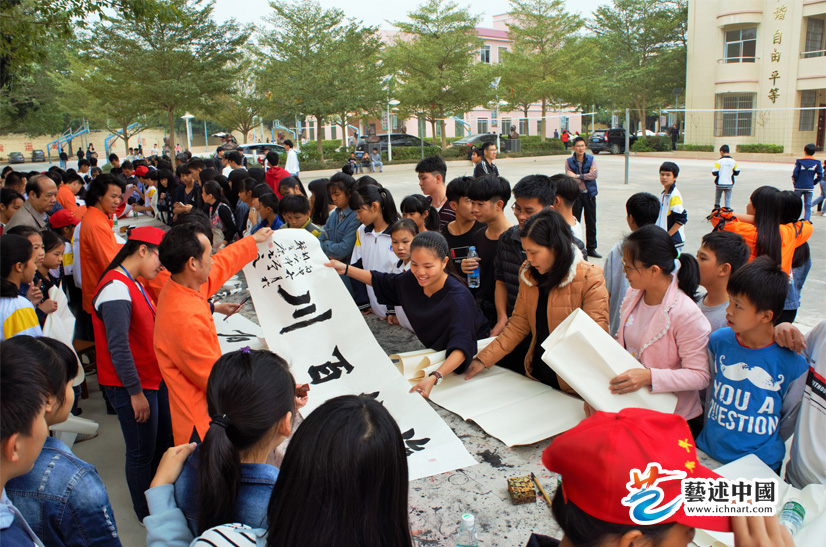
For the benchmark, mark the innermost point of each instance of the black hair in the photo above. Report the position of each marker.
(33, 184)
(644, 208)
(198, 220)
(417, 203)
(273, 158)
(14, 249)
(576, 140)
(791, 207)
(567, 189)
(197, 163)
(343, 182)
(6, 170)
(13, 179)
(490, 188)
(350, 453)
(183, 169)
(212, 188)
(179, 245)
(320, 211)
(368, 194)
(257, 173)
(58, 177)
(128, 249)
(725, 149)
(294, 203)
(670, 167)
(767, 211)
(113, 157)
(476, 152)
(51, 240)
(486, 145)
(583, 530)
(364, 180)
(95, 170)
(246, 185)
(433, 164)
(763, 283)
(127, 165)
(171, 183)
(652, 246)
(239, 424)
(100, 185)
(204, 175)
(405, 224)
(728, 248)
(235, 157)
(271, 201)
(458, 188)
(347, 169)
(8, 195)
(23, 230)
(23, 390)
(261, 190)
(810, 149)
(292, 182)
(288, 142)
(83, 162)
(549, 229)
(61, 370)
(541, 187)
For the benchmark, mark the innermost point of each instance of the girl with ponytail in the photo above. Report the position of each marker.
(376, 211)
(661, 325)
(17, 265)
(227, 479)
(417, 208)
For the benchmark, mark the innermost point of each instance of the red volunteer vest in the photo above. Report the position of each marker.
(141, 334)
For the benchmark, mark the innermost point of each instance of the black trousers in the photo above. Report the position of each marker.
(587, 203)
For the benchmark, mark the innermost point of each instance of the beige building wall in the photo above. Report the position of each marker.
(765, 57)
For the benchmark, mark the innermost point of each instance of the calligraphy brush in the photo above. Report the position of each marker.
(544, 494)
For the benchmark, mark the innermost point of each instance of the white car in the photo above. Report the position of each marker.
(647, 133)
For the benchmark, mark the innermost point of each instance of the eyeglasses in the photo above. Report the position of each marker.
(626, 268)
(517, 210)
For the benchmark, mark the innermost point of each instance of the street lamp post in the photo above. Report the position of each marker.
(390, 103)
(188, 117)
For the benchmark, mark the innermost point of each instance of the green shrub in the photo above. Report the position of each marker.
(652, 144)
(534, 143)
(454, 152)
(402, 153)
(696, 147)
(760, 148)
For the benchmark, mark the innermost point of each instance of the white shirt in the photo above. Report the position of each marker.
(375, 252)
(292, 162)
(576, 229)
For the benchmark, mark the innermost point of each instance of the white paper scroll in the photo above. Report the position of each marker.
(60, 325)
(308, 317)
(587, 358)
(511, 407)
(237, 332)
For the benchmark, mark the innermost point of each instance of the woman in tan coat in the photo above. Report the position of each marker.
(553, 282)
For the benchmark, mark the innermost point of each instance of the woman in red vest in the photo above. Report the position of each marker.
(124, 323)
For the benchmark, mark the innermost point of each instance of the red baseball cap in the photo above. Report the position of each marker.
(62, 218)
(141, 171)
(147, 234)
(604, 455)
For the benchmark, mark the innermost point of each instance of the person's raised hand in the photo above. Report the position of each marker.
(171, 464)
(476, 366)
(262, 235)
(34, 294)
(629, 381)
(337, 265)
(470, 264)
(763, 531)
(788, 336)
(47, 306)
(225, 308)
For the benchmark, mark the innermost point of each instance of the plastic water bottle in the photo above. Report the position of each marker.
(792, 515)
(115, 224)
(473, 277)
(467, 532)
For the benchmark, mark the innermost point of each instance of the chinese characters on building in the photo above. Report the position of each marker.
(777, 40)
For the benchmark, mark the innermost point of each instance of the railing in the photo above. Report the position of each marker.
(727, 60)
(810, 54)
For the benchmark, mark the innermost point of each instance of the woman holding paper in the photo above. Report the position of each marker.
(553, 282)
(440, 308)
(660, 324)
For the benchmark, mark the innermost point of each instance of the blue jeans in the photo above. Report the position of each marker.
(146, 442)
(807, 202)
(819, 199)
(720, 191)
(376, 164)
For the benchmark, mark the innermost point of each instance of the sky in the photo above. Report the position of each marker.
(379, 13)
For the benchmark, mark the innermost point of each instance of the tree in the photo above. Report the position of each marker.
(169, 65)
(320, 64)
(644, 45)
(433, 61)
(237, 109)
(541, 30)
(519, 92)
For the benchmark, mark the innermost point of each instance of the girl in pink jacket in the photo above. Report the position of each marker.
(661, 325)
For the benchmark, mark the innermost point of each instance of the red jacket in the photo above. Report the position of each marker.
(274, 176)
(141, 334)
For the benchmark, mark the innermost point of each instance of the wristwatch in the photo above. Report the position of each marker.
(437, 375)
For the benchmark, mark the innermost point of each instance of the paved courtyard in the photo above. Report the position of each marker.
(437, 503)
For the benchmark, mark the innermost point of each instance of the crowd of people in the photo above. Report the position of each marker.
(446, 264)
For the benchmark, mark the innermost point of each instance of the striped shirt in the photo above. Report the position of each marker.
(231, 535)
(18, 317)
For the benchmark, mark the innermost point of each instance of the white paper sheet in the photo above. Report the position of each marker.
(60, 325)
(587, 358)
(237, 332)
(308, 318)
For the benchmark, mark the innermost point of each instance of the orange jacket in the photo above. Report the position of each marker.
(66, 199)
(186, 343)
(792, 235)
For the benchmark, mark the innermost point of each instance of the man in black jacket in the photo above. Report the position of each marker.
(486, 166)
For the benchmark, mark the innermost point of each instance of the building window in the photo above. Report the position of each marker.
(333, 131)
(439, 129)
(481, 125)
(814, 38)
(485, 54)
(733, 116)
(808, 99)
(502, 51)
(741, 45)
(506, 125)
(539, 126)
(524, 128)
(312, 130)
(460, 128)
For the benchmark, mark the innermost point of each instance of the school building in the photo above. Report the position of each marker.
(756, 73)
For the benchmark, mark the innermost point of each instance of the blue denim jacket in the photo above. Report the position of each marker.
(64, 500)
(257, 482)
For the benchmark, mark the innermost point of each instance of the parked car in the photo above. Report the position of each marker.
(256, 152)
(610, 140)
(479, 140)
(38, 155)
(646, 133)
(366, 144)
(16, 157)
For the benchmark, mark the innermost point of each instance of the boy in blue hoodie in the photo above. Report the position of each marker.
(807, 172)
